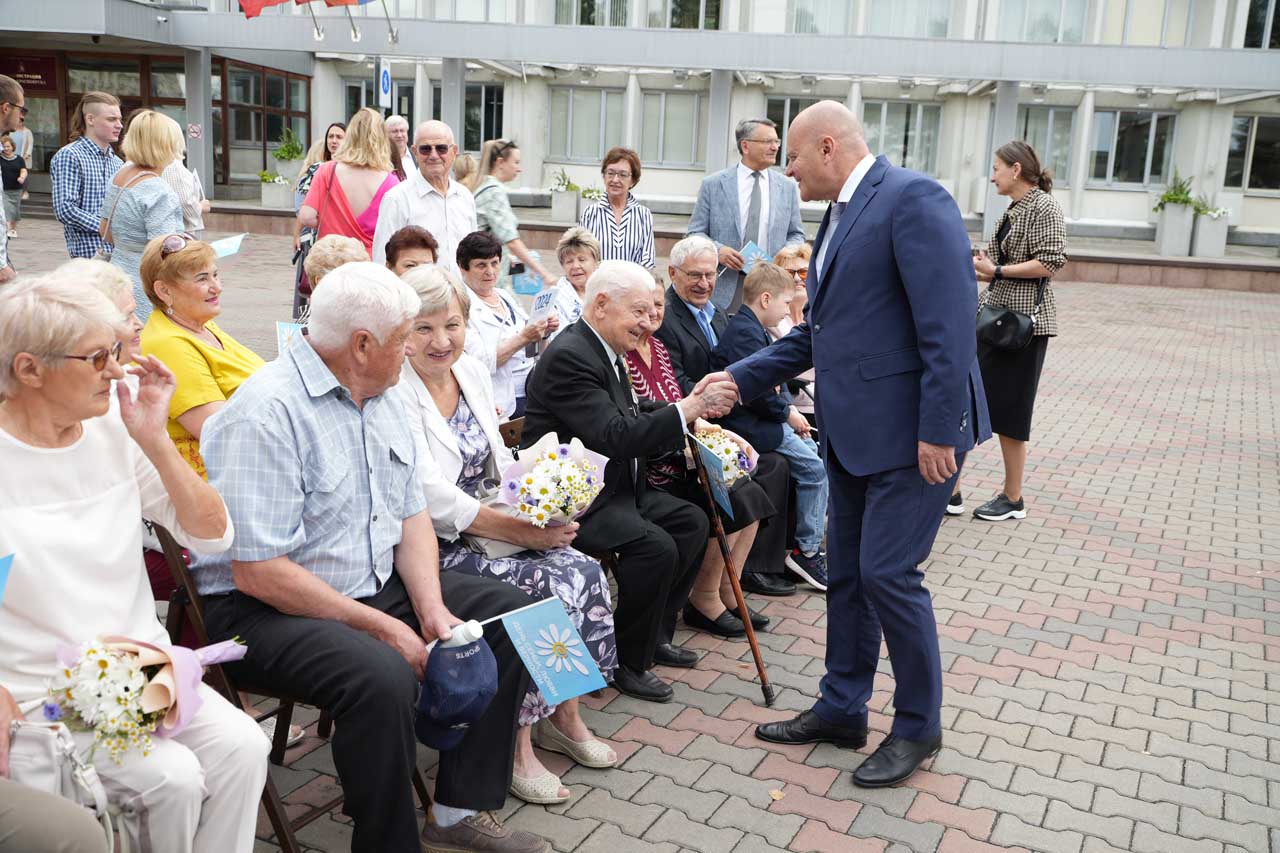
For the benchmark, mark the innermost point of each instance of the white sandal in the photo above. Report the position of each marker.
(542, 790)
(269, 729)
(592, 753)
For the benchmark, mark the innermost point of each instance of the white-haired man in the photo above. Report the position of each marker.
(333, 581)
(398, 133)
(580, 389)
(430, 198)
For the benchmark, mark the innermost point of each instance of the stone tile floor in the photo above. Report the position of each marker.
(1112, 662)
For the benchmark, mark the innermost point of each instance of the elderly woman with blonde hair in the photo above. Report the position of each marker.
(93, 457)
(346, 193)
(139, 203)
(795, 260)
(331, 252)
(579, 254)
(112, 283)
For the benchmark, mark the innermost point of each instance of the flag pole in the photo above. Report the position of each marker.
(393, 35)
(319, 33)
(765, 687)
(355, 31)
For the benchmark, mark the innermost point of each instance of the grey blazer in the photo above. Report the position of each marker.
(716, 216)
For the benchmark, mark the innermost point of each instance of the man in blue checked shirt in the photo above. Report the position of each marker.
(334, 582)
(81, 170)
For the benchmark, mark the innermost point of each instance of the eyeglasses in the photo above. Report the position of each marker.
(175, 243)
(622, 176)
(802, 273)
(699, 276)
(98, 358)
(441, 149)
(21, 110)
(774, 141)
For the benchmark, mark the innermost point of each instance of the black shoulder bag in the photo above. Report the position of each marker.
(1004, 328)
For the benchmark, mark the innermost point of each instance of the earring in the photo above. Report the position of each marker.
(168, 309)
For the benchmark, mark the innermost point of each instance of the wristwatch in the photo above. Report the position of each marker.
(997, 275)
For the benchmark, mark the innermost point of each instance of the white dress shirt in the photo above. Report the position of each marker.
(846, 192)
(745, 183)
(449, 217)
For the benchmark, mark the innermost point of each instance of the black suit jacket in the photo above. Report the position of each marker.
(759, 421)
(574, 392)
(689, 349)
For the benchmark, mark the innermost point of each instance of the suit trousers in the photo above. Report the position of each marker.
(881, 528)
(371, 692)
(656, 568)
(33, 821)
(769, 552)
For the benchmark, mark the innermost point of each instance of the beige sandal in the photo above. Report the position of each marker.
(542, 790)
(592, 753)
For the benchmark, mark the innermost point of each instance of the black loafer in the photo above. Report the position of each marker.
(810, 728)
(669, 655)
(895, 760)
(760, 584)
(758, 620)
(724, 625)
(642, 685)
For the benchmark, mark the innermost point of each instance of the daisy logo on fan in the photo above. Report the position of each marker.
(559, 650)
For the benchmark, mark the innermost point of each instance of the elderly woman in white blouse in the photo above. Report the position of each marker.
(579, 254)
(451, 407)
(91, 458)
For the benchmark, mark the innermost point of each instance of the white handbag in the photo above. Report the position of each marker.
(490, 494)
(43, 756)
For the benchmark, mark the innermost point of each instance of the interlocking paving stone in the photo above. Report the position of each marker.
(873, 822)
(633, 818)
(1029, 807)
(1163, 815)
(1010, 831)
(1115, 830)
(662, 791)
(1148, 839)
(737, 813)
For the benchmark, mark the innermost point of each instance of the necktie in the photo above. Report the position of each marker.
(625, 378)
(707, 331)
(752, 231)
(837, 210)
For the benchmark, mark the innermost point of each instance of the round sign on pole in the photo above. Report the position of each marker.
(384, 84)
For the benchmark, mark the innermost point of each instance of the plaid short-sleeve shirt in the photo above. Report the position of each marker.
(80, 172)
(307, 474)
(1037, 231)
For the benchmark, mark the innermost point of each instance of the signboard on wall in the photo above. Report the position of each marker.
(384, 84)
(35, 73)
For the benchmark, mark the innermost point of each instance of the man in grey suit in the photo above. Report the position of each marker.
(747, 203)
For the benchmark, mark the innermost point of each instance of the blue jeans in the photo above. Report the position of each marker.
(811, 488)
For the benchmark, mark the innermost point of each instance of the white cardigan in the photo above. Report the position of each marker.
(485, 333)
(439, 461)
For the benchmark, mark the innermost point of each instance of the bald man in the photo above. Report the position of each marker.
(892, 301)
(429, 198)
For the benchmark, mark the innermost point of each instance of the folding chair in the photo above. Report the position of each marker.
(186, 604)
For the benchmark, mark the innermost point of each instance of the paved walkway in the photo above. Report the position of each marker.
(1112, 662)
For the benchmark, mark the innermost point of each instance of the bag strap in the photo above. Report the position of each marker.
(105, 231)
(328, 191)
(1040, 282)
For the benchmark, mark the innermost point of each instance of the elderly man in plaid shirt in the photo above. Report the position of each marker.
(82, 169)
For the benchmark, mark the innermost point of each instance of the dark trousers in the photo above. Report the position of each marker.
(881, 528)
(371, 692)
(769, 552)
(657, 565)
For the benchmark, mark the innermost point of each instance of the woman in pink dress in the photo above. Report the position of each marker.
(347, 191)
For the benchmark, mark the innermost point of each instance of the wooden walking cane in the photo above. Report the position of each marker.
(765, 687)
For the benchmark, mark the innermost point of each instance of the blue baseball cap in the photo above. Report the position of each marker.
(460, 682)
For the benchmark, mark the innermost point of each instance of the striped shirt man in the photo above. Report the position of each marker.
(628, 240)
(80, 172)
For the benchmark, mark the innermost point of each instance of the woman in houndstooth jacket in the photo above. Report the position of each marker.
(1028, 248)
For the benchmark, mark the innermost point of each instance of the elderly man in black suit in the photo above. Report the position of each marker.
(691, 327)
(580, 389)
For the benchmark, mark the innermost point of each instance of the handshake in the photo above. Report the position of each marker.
(712, 397)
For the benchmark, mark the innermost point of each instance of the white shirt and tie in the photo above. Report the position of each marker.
(846, 193)
(748, 180)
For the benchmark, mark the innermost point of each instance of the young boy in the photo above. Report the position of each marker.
(771, 422)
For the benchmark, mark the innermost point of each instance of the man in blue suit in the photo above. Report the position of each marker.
(899, 402)
(747, 203)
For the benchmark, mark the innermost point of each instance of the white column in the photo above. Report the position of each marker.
(1003, 128)
(633, 103)
(1239, 25)
(718, 129)
(197, 67)
(1081, 142)
(453, 97)
(1217, 23)
(854, 99)
(422, 96)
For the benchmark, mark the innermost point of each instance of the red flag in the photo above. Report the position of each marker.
(253, 8)
(345, 2)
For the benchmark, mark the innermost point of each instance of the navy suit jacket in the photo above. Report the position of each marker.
(889, 330)
(760, 420)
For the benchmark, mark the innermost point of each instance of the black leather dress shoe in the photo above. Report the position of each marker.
(669, 655)
(810, 728)
(895, 760)
(767, 584)
(642, 685)
(724, 625)
(758, 620)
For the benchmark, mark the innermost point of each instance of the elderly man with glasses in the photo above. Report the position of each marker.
(747, 203)
(430, 198)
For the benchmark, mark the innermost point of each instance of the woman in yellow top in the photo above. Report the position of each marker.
(180, 276)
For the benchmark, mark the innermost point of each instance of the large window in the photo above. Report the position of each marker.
(1262, 27)
(584, 123)
(1253, 157)
(781, 111)
(1171, 23)
(910, 18)
(682, 14)
(1131, 147)
(906, 133)
(261, 103)
(672, 129)
(361, 93)
(1048, 131)
(828, 17)
(469, 10)
(598, 13)
(1051, 21)
(482, 114)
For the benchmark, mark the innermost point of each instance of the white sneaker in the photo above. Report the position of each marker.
(13, 235)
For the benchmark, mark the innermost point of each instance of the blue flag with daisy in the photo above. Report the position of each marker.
(552, 651)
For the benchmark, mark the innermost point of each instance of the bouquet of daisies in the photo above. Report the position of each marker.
(553, 482)
(735, 463)
(124, 690)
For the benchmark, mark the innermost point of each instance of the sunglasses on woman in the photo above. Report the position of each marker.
(175, 243)
(802, 273)
(98, 358)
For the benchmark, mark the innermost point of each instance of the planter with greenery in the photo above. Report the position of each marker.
(289, 155)
(1176, 214)
(277, 192)
(564, 198)
(1210, 238)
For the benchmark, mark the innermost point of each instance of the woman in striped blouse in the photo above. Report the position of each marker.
(623, 225)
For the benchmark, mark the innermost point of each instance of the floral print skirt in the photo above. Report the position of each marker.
(573, 577)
